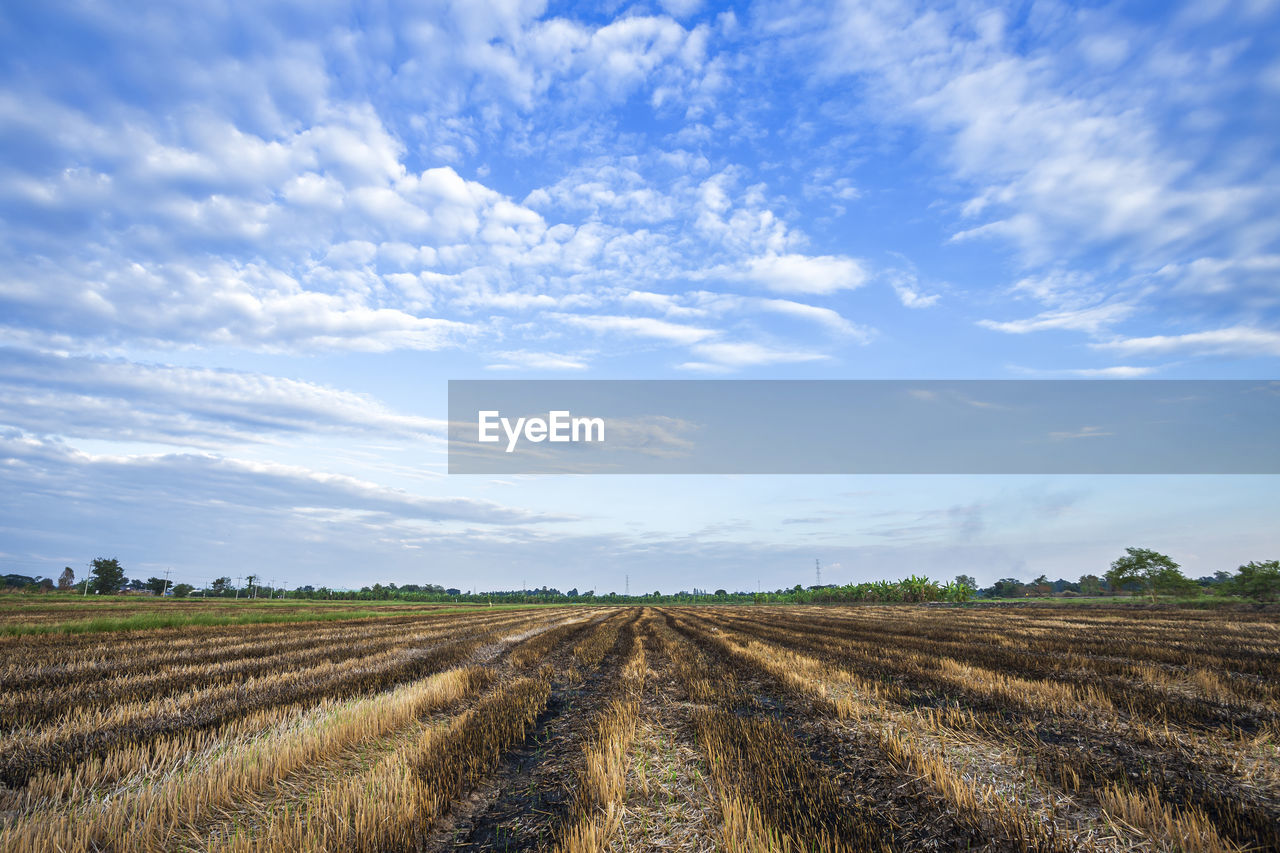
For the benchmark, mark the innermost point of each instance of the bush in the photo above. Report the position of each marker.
(1259, 581)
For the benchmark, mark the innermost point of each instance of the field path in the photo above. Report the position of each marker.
(668, 797)
(527, 800)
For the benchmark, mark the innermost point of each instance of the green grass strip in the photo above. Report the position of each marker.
(147, 621)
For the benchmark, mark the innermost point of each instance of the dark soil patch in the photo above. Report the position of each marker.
(524, 805)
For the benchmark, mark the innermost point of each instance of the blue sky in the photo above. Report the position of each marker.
(244, 247)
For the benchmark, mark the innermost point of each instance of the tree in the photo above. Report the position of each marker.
(1007, 588)
(67, 579)
(1260, 581)
(182, 590)
(157, 585)
(885, 591)
(967, 580)
(220, 586)
(721, 592)
(919, 589)
(957, 591)
(1150, 570)
(107, 575)
(1090, 584)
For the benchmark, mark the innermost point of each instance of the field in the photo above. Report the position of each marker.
(71, 614)
(874, 728)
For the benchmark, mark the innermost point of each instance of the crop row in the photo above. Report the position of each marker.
(37, 705)
(396, 800)
(1026, 672)
(61, 660)
(750, 729)
(87, 732)
(153, 806)
(1083, 753)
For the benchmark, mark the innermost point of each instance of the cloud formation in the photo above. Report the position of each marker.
(427, 191)
(119, 400)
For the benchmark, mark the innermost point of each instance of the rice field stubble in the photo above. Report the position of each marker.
(894, 728)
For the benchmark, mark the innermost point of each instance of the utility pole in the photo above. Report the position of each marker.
(817, 572)
(238, 578)
(165, 591)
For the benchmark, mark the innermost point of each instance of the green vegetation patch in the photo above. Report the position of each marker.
(154, 619)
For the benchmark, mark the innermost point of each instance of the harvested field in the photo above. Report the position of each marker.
(75, 614)
(891, 728)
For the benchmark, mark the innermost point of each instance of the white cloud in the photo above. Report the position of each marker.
(907, 287)
(175, 304)
(792, 273)
(624, 53)
(1087, 141)
(267, 209)
(681, 8)
(726, 356)
(532, 360)
(1065, 171)
(1082, 432)
(826, 317)
(1119, 371)
(1091, 320)
(170, 481)
(666, 303)
(641, 327)
(118, 400)
(1252, 280)
(1235, 341)
(612, 188)
(1059, 288)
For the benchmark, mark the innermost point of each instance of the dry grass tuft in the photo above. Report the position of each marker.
(1181, 830)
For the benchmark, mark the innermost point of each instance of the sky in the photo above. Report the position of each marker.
(244, 247)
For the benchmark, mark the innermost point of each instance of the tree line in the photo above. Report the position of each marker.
(1139, 571)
